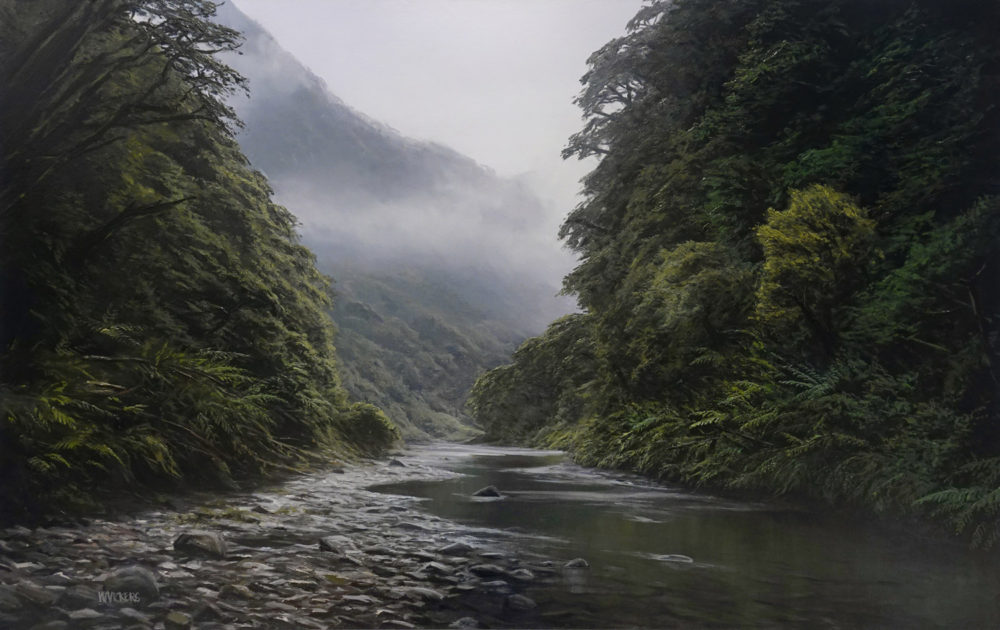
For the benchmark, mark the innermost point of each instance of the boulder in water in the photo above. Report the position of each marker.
(488, 491)
(133, 580)
(519, 602)
(202, 543)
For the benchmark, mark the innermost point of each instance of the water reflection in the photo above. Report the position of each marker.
(661, 557)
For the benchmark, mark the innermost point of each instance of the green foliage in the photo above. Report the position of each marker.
(815, 253)
(412, 345)
(789, 257)
(160, 320)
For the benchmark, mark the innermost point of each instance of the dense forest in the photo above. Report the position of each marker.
(429, 291)
(789, 259)
(160, 319)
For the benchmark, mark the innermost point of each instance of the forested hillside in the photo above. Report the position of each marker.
(790, 259)
(160, 320)
(412, 345)
(439, 269)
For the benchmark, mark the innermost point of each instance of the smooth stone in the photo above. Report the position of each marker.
(426, 593)
(8, 600)
(485, 570)
(336, 544)
(28, 566)
(34, 593)
(133, 614)
(435, 567)
(85, 614)
(496, 585)
(176, 620)
(201, 542)
(464, 622)
(520, 602)
(235, 591)
(134, 579)
(58, 579)
(360, 599)
(577, 563)
(522, 574)
(456, 549)
(411, 526)
(396, 463)
(78, 596)
(488, 491)
(207, 612)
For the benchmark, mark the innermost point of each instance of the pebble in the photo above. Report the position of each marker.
(487, 570)
(134, 579)
(456, 549)
(199, 542)
(176, 620)
(34, 593)
(324, 552)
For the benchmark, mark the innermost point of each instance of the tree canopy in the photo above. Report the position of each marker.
(160, 319)
(789, 259)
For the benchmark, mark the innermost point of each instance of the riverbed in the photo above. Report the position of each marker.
(405, 542)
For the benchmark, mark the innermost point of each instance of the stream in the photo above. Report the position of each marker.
(660, 557)
(405, 543)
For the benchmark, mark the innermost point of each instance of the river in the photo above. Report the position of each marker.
(403, 542)
(662, 557)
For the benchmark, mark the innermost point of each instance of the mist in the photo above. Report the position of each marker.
(370, 198)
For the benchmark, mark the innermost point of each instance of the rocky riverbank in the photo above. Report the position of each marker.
(317, 551)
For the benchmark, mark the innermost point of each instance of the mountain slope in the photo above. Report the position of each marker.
(436, 258)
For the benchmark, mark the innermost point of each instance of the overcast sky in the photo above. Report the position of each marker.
(493, 79)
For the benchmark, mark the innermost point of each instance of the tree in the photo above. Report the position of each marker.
(815, 255)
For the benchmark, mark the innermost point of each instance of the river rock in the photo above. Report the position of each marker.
(523, 575)
(207, 612)
(85, 616)
(133, 615)
(496, 586)
(34, 593)
(134, 579)
(487, 570)
(519, 602)
(201, 542)
(577, 563)
(425, 593)
(397, 463)
(464, 622)
(8, 600)
(488, 491)
(235, 591)
(336, 544)
(436, 567)
(176, 620)
(78, 596)
(456, 549)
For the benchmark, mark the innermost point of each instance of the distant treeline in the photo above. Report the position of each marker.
(158, 318)
(790, 259)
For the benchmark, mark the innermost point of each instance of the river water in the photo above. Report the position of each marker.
(662, 557)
